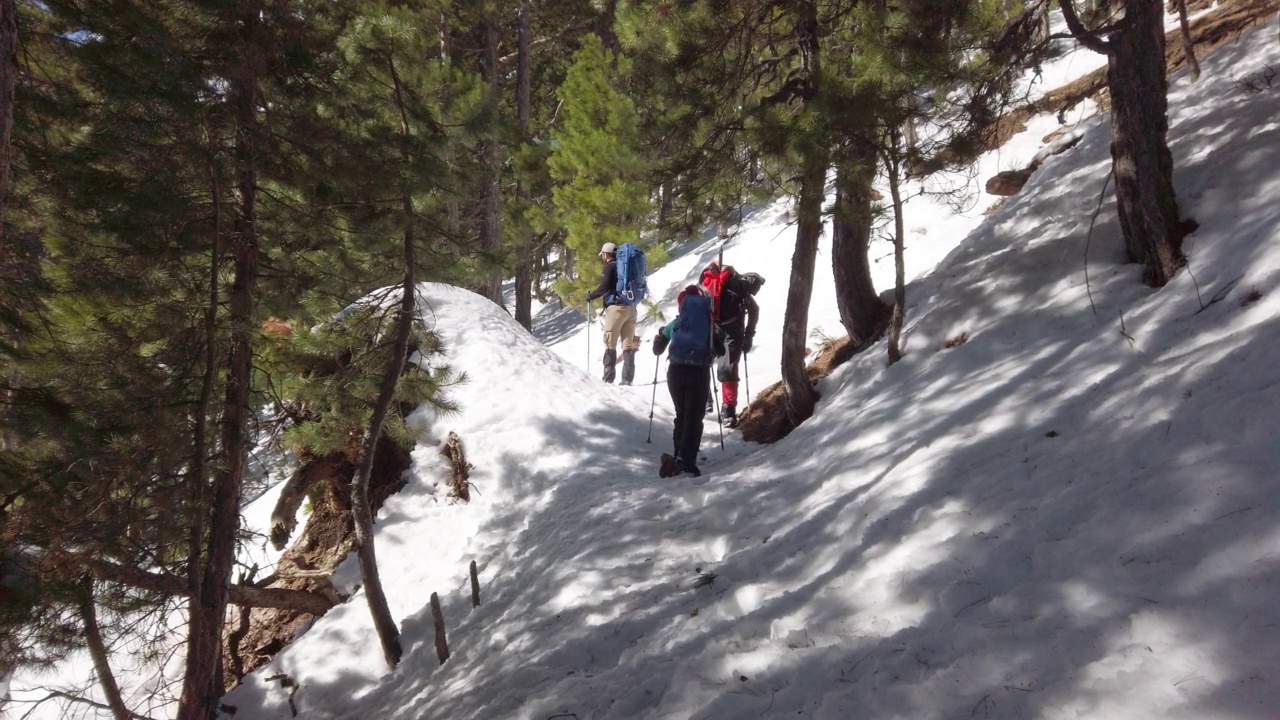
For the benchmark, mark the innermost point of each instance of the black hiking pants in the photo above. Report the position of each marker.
(690, 386)
(735, 334)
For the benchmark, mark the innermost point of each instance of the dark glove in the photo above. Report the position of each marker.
(660, 344)
(746, 343)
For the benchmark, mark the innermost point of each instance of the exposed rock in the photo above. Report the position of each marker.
(1008, 182)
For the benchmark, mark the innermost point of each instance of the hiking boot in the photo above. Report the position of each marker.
(730, 415)
(692, 471)
(669, 466)
(710, 406)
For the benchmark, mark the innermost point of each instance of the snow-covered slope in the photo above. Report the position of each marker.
(1072, 514)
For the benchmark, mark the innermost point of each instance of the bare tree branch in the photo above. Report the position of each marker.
(1085, 37)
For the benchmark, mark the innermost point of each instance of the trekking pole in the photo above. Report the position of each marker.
(588, 336)
(746, 374)
(657, 361)
(719, 423)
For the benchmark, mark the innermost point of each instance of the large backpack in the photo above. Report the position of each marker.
(691, 338)
(631, 288)
(729, 290)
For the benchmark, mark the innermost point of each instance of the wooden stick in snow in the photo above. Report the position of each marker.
(437, 617)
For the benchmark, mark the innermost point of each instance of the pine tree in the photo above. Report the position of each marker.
(602, 193)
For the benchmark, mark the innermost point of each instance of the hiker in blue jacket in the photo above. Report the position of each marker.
(694, 344)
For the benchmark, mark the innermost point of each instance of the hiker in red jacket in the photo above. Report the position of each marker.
(736, 312)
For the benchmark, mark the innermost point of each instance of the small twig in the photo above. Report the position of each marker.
(1234, 512)
(70, 697)
(287, 682)
(1218, 296)
(979, 601)
(1089, 238)
(1189, 678)
(1196, 283)
(1125, 332)
(983, 703)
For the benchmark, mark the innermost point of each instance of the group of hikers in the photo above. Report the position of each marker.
(716, 319)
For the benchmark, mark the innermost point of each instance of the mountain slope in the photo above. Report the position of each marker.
(1072, 514)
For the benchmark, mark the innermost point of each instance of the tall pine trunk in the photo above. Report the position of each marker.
(197, 471)
(1188, 45)
(524, 265)
(1139, 145)
(490, 202)
(202, 684)
(8, 247)
(1140, 156)
(862, 313)
(799, 394)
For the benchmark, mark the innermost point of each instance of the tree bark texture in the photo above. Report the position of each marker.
(202, 682)
(862, 313)
(893, 168)
(1139, 146)
(799, 394)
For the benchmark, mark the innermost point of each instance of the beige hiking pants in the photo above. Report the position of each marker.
(620, 326)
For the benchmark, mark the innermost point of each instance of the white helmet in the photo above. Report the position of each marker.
(609, 249)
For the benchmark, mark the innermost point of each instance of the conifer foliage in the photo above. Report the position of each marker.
(602, 190)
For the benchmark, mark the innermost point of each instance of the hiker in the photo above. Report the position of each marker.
(694, 344)
(618, 319)
(735, 311)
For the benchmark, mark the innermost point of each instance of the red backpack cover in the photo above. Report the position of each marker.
(714, 278)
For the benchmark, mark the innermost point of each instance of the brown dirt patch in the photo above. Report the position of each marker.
(765, 419)
(326, 540)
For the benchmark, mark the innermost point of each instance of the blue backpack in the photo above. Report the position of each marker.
(631, 288)
(691, 339)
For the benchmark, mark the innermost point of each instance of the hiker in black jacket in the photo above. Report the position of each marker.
(618, 320)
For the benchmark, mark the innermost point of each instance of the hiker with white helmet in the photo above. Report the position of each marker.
(618, 321)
